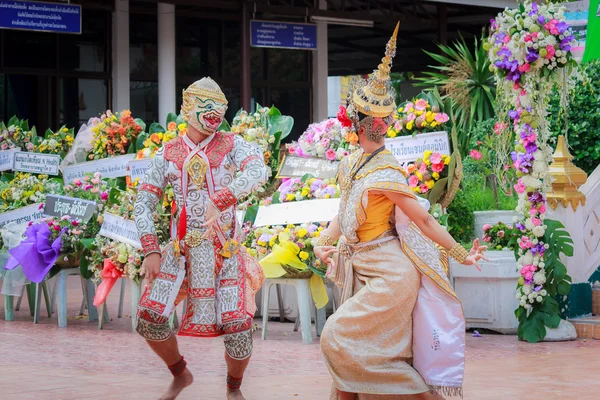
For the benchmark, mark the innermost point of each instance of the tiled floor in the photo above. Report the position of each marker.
(79, 362)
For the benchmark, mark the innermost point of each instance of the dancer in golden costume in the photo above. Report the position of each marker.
(399, 332)
(209, 171)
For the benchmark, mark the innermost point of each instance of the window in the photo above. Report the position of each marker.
(198, 47)
(88, 51)
(144, 101)
(143, 66)
(80, 100)
(143, 47)
(51, 79)
(23, 49)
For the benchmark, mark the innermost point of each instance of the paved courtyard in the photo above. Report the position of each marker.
(80, 362)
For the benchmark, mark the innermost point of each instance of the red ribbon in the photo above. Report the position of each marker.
(110, 276)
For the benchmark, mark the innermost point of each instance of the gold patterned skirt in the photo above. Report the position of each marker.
(367, 343)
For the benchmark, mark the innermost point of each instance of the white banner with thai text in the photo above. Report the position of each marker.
(113, 167)
(120, 229)
(22, 216)
(138, 168)
(297, 212)
(408, 149)
(36, 163)
(7, 159)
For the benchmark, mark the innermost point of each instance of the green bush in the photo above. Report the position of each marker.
(461, 222)
(582, 118)
(479, 194)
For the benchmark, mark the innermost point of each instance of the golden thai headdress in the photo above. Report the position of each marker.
(205, 88)
(375, 96)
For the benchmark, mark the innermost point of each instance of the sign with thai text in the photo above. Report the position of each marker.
(120, 229)
(297, 167)
(37, 163)
(22, 216)
(408, 149)
(7, 159)
(38, 16)
(137, 168)
(283, 35)
(59, 206)
(297, 212)
(113, 167)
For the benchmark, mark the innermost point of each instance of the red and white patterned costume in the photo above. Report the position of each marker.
(219, 284)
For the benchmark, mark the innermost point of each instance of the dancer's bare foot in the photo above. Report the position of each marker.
(235, 395)
(179, 383)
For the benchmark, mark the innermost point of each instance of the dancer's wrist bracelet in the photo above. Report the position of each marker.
(325, 240)
(458, 253)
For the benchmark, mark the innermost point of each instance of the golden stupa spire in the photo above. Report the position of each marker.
(376, 97)
(381, 76)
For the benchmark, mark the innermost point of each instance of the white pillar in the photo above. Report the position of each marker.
(320, 70)
(166, 61)
(120, 56)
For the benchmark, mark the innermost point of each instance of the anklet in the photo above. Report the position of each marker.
(178, 368)
(234, 383)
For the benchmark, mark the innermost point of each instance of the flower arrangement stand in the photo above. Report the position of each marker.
(43, 287)
(304, 307)
(32, 297)
(121, 298)
(136, 294)
(321, 317)
(9, 308)
(61, 291)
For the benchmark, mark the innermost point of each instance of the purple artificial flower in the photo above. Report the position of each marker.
(504, 51)
(565, 44)
(316, 185)
(538, 288)
(330, 190)
(513, 114)
(531, 147)
(513, 155)
(493, 24)
(476, 334)
(265, 238)
(526, 132)
(532, 55)
(524, 162)
(562, 27)
(312, 228)
(534, 10)
(536, 197)
(500, 39)
(520, 226)
(541, 20)
(514, 76)
(538, 249)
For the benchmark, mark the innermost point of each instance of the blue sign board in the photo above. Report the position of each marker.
(283, 35)
(38, 16)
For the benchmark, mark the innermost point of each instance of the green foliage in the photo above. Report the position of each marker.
(464, 77)
(532, 324)
(479, 192)
(461, 222)
(582, 121)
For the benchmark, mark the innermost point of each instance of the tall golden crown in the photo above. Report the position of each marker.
(204, 88)
(376, 96)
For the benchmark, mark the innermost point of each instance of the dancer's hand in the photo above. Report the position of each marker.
(476, 254)
(151, 267)
(324, 254)
(212, 216)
